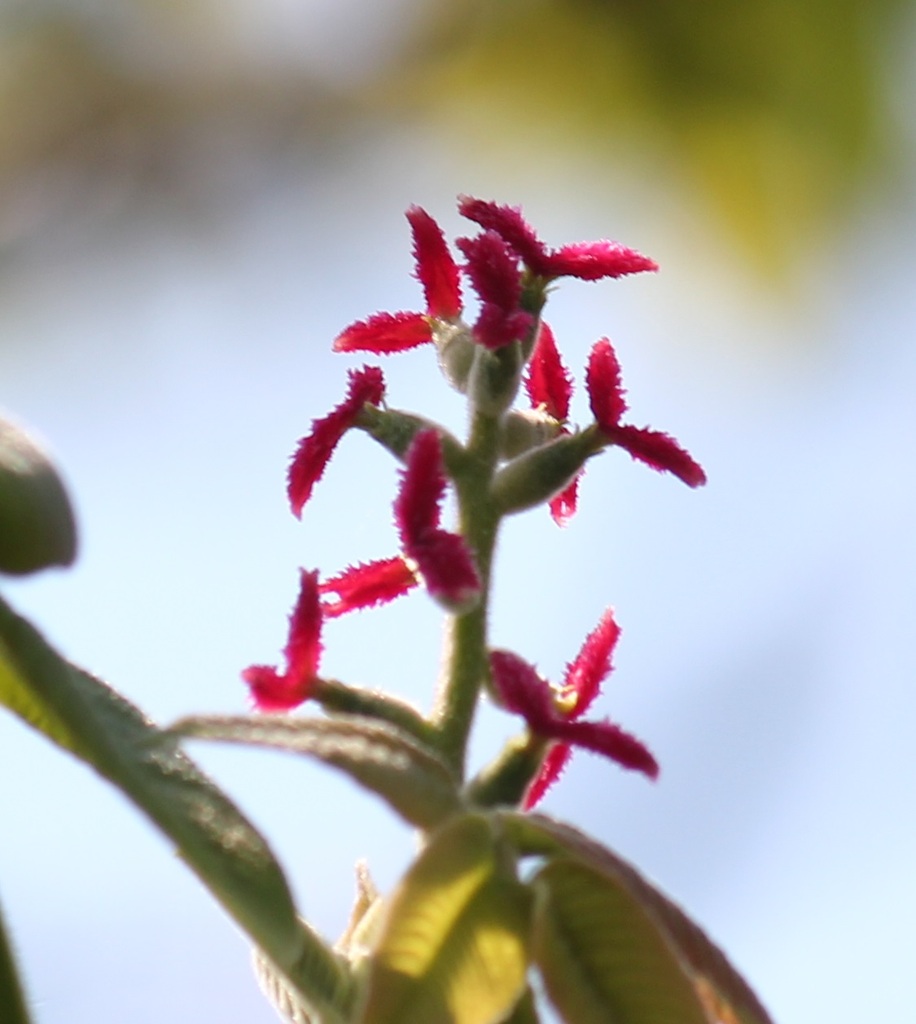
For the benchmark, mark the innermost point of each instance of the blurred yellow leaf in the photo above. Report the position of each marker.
(453, 946)
(773, 112)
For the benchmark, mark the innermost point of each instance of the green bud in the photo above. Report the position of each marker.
(395, 430)
(522, 430)
(456, 349)
(536, 476)
(505, 781)
(495, 377)
(37, 527)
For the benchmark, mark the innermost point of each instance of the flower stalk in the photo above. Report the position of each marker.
(511, 461)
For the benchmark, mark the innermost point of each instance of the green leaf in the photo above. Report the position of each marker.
(37, 528)
(12, 998)
(279, 993)
(87, 718)
(721, 991)
(454, 943)
(378, 755)
(600, 954)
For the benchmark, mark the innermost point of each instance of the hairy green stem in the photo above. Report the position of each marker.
(465, 665)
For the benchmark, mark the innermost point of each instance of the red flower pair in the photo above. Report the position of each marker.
(441, 559)
(492, 267)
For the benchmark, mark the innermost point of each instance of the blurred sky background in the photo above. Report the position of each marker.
(195, 197)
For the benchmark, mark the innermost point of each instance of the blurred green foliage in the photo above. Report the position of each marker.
(773, 115)
(776, 113)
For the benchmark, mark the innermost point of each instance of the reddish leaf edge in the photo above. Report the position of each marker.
(719, 985)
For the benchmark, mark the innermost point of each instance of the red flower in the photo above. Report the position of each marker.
(272, 690)
(555, 715)
(589, 261)
(548, 382)
(549, 386)
(367, 585)
(493, 271)
(315, 451)
(655, 449)
(437, 272)
(442, 558)
(385, 333)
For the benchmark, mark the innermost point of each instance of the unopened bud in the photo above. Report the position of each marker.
(37, 528)
(456, 349)
(522, 430)
(536, 476)
(495, 377)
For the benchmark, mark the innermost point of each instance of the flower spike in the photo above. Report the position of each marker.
(315, 450)
(272, 690)
(655, 449)
(588, 261)
(442, 558)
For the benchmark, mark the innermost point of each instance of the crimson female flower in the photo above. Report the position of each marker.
(441, 559)
(493, 270)
(367, 585)
(588, 261)
(549, 386)
(273, 690)
(606, 397)
(437, 272)
(555, 714)
(315, 450)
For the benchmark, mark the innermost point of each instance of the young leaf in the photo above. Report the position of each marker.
(453, 945)
(87, 718)
(600, 954)
(279, 993)
(723, 993)
(37, 528)
(379, 756)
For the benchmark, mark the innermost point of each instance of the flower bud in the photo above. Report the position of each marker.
(536, 476)
(455, 347)
(522, 430)
(495, 378)
(37, 527)
(395, 430)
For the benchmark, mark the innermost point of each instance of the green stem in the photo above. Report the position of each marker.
(465, 665)
(12, 998)
(504, 781)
